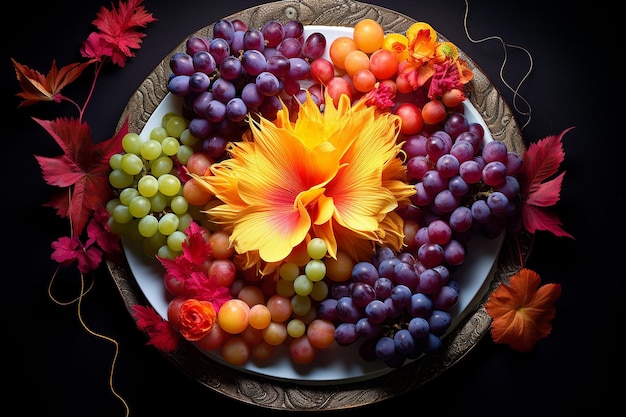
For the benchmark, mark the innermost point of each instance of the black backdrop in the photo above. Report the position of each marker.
(58, 369)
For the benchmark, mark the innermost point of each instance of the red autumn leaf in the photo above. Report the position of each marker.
(38, 87)
(162, 335)
(67, 250)
(196, 249)
(118, 28)
(200, 286)
(540, 188)
(83, 167)
(522, 311)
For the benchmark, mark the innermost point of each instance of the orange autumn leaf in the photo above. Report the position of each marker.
(522, 311)
(38, 87)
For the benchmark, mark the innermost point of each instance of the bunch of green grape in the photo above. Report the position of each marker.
(149, 206)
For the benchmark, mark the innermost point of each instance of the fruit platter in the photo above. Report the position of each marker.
(329, 286)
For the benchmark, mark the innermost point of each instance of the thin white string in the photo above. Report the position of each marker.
(516, 95)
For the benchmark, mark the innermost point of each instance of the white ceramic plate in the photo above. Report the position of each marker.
(336, 364)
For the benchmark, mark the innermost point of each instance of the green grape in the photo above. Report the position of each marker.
(115, 161)
(175, 125)
(115, 227)
(120, 179)
(168, 223)
(184, 220)
(183, 153)
(179, 205)
(151, 149)
(289, 271)
(121, 214)
(161, 165)
(296, 328)
(169, 184)
(139, 206)
(284, 288)
(148, 225)
(156, 241)
(132, 231)
(166, 117)
(300, 304)
(175, 240)
(165, 252)
(302, 285)
(159, 202)
(111, 204)
(315, 270)
(319, 291)
(131, 164)
(186, 138)
(316, 248)
(127, 194)
(131, 143)
(170, 146)
(148, 185)
(158, 133)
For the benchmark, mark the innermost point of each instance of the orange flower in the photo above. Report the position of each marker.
(333, 174)
(522, 311)
(196, 318)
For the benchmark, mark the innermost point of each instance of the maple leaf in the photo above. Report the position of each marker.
(540, 163)
(38, 87)
(67, 250)
(83, 169)
(522, 311)
(118, 28)
(162, 335)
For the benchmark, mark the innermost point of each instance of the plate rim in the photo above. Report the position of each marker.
(286, 394)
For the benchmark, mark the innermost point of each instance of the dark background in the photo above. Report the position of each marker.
(58, 369)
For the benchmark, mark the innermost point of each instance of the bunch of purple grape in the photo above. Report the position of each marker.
(240, 71)
(398, 305)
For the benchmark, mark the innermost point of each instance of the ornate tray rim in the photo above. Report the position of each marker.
(287, 395)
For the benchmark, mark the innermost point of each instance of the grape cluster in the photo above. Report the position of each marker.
(149, 206)
(241, 71)
(399, 305)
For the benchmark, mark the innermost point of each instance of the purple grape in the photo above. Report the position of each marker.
(404, 341)
(278, 65)
(477, 129)
(439, 232)
(253, 62)
(430, 254)
(513, 163)
(253, 40)
(181, 63)
(455, 124)
(239, 25)
(362, 294)
(454, 253)
(429, 281)
(299, 68)
(231, 68)
(376, 311)
(366, 328)
(401, 295)
(494, 173)
(251, 95)
(470, 171)
(195, 44)
(462, 150)
(199, 82)
(385, 348)
(495, 151)
(290, 47)
(434, 182)
(224, 29)
(446, 298)
(204, 62)
(497, 202)
(236, 109)
(200, 127)
(179, 85)
(405, 275)
(214, 146)
(472, 139)
(269, 107)
(294, 29)
(420, 305)
(461, 219)
(439, 321)
(220, 49)
(445, 201)
(383, 287)
(273, 33)
(458, 186)
(215, 111)
(236, 47)
(448, 165)
(223, 90)
(480, 211)
(436, 147)
(314, 46)
(267, 84)
(417, 166)
(346, 334)
(510, 188)
(364, 272)
(327, 309)
(418, 327)
(347, 311)
(339, 290)
(415, 145)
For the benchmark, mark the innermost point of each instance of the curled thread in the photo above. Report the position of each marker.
(515, 91)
